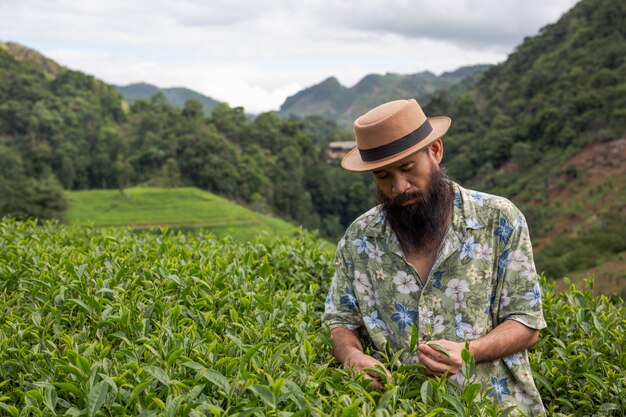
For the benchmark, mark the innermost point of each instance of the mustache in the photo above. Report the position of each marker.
(400, 199)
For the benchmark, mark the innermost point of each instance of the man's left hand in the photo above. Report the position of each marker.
(437, 362)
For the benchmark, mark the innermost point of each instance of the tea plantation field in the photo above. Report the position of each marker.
(107, 321)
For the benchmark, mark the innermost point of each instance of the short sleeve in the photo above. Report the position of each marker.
(341, 307)
(519, 289)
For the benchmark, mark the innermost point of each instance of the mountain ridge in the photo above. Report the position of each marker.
(334, 101)
(177, 96)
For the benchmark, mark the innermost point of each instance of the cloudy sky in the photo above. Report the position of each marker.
(255, 53)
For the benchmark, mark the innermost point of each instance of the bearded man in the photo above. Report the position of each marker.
(455, 264)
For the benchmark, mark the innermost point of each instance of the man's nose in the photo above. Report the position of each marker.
(399, 185)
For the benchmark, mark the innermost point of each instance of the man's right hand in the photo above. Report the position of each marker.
(359, 360)
(348, 350)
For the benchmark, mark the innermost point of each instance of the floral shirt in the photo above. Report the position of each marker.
(483, 274)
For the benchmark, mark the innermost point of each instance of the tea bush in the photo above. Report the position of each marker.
(110, 322)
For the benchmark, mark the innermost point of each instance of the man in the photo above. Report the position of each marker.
(456, 264)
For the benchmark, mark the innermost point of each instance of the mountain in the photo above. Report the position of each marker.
(23, 53)
(175, 95)
(333, 101)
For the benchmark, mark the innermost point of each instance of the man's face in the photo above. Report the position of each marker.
(411, 174)
(416, 198)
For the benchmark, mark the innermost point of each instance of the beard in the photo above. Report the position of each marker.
(421, 224)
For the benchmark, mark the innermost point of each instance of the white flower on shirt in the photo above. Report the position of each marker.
(484, 252)
(456, 286)
(523, 396)
(475, 332)
(505, 300)
(459, 300)
(376, 254)
(405, 283)
(438, 326)
(371, 298)
(529, 271)
(516, 260)
(425, 314)
(361, 282)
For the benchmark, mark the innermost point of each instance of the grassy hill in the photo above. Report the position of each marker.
(179, 208)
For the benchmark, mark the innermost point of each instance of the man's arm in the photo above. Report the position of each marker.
(348, 350)
(506, 339)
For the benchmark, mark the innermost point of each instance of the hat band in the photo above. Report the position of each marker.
(398, 145)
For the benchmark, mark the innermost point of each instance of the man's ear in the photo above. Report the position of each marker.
(435, 150)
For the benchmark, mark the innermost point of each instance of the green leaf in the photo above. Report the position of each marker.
(159, 374)
(10, 409)
(440, 348)
(50, 397)
(215, 378)
(96, 397)
(426, 391)
(455, 403)
(139, 388)
(35, 395)
(69, 387)
(470, 392)
(265, 394)
(414, 339)
(506, 411)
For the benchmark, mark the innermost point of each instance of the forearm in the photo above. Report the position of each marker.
(506, 339)
(346, 342)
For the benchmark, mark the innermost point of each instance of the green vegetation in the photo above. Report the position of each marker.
(104, 321)
(518, 131)
(176, 208)
(177, 96)
(67, 129)
(343, 105)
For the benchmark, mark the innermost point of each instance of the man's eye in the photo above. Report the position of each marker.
(406, 167)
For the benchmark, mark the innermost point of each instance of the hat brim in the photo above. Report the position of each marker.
(353, 162)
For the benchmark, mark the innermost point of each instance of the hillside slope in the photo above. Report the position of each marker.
(546, 128)
(178, 208)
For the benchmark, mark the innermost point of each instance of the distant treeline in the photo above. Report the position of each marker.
(71, 131)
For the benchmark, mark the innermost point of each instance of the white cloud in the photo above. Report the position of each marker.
(256, 53)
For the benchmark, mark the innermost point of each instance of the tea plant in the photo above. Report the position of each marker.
(111, 322)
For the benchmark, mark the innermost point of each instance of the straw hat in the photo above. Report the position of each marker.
(390, 132)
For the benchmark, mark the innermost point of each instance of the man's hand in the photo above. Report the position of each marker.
(348, 350)
(359, 360)
(437, 361)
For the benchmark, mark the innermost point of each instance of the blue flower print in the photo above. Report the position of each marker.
(404, 317)
(461, 327)
(457, 200)
(468, 248)
(362, 245)
(500, 387)
(437, 275)
(479, 197)
(514, 359)
(374, 322)
(504, 231)
(473, 224)
(502, 262)
(348, 299)
(534, 295)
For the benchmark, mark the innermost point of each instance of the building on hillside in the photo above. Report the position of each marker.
(339, 149)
